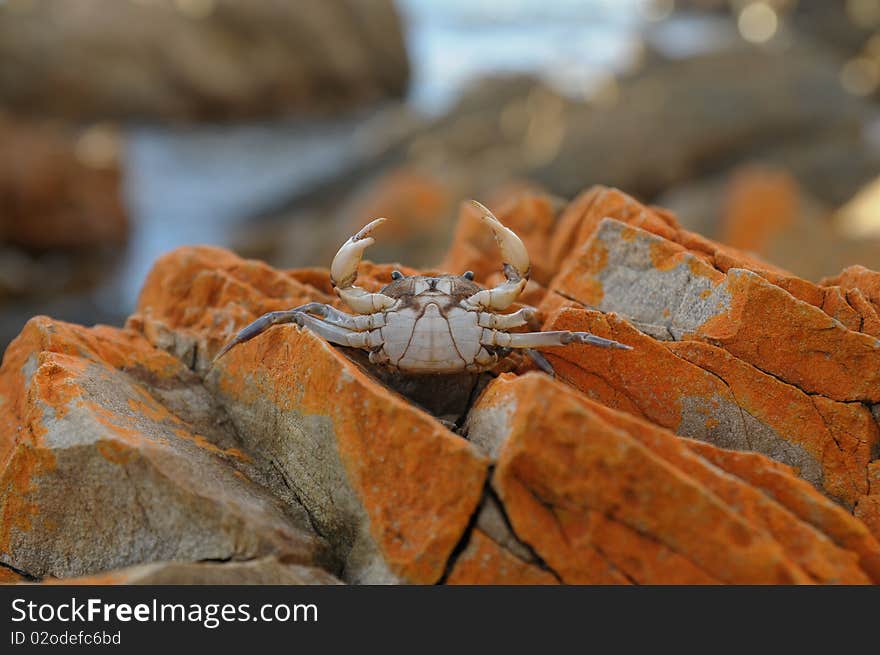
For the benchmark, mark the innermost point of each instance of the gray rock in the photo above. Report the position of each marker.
(678, 294)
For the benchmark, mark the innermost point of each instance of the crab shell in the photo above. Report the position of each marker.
(430, 331)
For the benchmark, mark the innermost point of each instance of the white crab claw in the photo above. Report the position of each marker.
(516, 267)
(513, 250)
(343, 270)
(343, 273)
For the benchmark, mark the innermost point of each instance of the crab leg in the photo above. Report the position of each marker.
(342, 335)
(525, 316)
(343, 273)
(541, 361)
(516, 267)
(335, 317)
(546, 339)
(258, 327)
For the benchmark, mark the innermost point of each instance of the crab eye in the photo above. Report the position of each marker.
(468, 275)
(396, 275)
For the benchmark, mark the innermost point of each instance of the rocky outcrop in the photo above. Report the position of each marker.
(600, 495)
(114, 454)
(198, 60)
(736, 442)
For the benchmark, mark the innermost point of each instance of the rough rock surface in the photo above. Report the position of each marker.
(594, 508)
(390, 486)
(736, 443)
(114, 454)
(386, 483)
(704, 392)
(485, 562)
(199, 60)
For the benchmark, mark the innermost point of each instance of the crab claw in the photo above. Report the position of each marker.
(343, 270)
(516, 267)
(343, 273)
(513, 250)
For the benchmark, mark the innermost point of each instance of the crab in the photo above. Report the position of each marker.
(420, 324)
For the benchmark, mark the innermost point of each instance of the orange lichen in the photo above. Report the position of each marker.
(778, 482)
(418, 482)
(115, 452)
(212, 292)
(801, 542)
(861, 278)
(484, 562)
(18, 481)
(840, 436)
(563, 460)
(819, 355)
(647, 381)
(203, 442)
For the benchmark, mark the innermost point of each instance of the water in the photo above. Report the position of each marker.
(568, 42)
(187, 186)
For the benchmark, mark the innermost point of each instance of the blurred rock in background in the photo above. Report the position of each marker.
(672, 131)
(79, 82)
(171, 60)
(60, 187)
(63, 224)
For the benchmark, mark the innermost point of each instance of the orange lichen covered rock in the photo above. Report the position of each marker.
(861, 278)
(574, 255)
(583, 215)
(868, 510)
(776, 481)
(868, 506)
(390, 486)
(703, 392)
(658, 284)
(195, 298)
(830, 443)
(820, 355)
(648, 381)
(671, 293)
(485, 562)
(8, 576)
(113, 456)
(601, 496)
